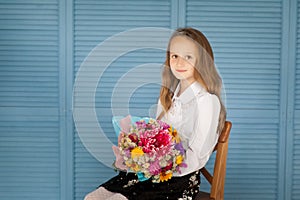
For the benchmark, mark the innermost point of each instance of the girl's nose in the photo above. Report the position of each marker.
(180, 61)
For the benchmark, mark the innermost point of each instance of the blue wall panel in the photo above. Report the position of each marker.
(94, 23)
(295, 184)
(29, 100)
(246, 38)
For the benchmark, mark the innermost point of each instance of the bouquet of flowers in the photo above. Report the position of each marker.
(151, 149)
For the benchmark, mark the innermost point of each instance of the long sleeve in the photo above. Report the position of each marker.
(204, 137)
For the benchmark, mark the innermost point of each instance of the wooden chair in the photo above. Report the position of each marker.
(217, 181)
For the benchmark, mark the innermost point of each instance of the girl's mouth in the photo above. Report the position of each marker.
(181, 70)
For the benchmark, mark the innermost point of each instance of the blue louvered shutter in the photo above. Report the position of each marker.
(96, 22)
(246, 38)
(295, 189)
(29, 104)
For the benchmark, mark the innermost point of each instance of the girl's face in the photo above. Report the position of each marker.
(183, 54)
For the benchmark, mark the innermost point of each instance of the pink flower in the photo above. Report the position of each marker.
(162, 139)
(155, 168)
(161, 152)
(147, 144)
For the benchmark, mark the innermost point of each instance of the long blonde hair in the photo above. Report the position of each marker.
(205, 73)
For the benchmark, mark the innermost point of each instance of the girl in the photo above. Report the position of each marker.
(190, 101)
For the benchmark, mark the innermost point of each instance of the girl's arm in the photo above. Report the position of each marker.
(204, 137)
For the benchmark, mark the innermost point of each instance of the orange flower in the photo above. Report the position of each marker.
(165, 176)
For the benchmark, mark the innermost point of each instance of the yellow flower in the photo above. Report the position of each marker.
(136, 152)
(165, 176)
(175, 136)
(179, 159)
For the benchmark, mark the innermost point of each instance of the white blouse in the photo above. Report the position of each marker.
(195, 115)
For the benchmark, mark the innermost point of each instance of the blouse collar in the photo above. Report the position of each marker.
(189, 93)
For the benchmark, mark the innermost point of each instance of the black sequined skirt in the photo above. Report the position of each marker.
(183, 188)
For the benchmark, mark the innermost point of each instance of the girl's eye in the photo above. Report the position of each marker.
(188, 57)
(174, 56)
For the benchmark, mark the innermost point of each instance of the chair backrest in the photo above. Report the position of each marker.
(217, 181)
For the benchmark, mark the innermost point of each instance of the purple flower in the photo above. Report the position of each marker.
(179, 166)
(141, 124)
(127, 153)
(180, 148)
(163, 125)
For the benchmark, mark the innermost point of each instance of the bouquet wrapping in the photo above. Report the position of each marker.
(149, 147)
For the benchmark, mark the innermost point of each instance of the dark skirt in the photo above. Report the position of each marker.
(185, 187)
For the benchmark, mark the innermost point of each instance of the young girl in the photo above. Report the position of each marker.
(190, 101)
